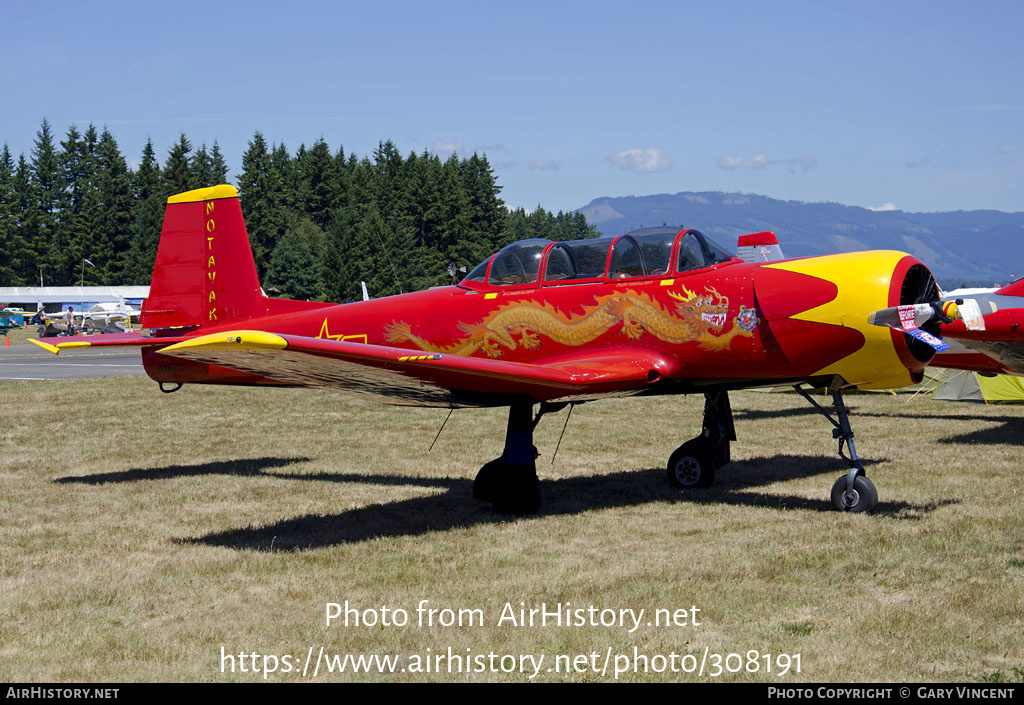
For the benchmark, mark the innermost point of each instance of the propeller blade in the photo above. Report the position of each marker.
(911, 317)
(926, 337)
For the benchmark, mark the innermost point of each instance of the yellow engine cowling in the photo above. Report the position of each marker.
(866, 282)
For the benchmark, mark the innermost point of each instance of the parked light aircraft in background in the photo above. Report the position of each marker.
(100, 318)
(659, 311)
(13, 318)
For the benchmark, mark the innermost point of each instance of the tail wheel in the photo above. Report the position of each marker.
(692, 465)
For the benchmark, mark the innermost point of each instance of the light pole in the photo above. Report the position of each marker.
(81, 278)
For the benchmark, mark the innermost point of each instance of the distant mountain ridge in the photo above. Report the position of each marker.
(979, 248)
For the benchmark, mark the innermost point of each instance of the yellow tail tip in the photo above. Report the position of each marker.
(45, 346)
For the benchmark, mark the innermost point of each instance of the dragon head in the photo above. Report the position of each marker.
(709, 310)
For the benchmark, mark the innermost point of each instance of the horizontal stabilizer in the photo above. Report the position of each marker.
(108, 339)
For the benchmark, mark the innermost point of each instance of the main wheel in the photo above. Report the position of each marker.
(691, 465)
(518, 491)
(863, 498)
(485, 485)
(511, 489)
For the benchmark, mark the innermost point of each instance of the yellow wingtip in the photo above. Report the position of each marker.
(232, 340)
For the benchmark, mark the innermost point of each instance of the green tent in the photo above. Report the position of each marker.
(961, 385)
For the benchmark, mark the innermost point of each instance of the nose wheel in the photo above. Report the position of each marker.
(862, 498)
(852, 492)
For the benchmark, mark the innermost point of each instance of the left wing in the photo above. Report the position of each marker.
(415, 378)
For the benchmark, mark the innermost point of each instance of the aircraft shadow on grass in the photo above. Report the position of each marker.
(737, 486)
(250, 466)
(1011, 432)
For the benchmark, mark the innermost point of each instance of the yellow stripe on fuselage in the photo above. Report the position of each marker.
(863, 280)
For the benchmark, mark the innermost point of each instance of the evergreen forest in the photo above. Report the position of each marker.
(320, 221)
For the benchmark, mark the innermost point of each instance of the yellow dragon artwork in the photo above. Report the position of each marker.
(696, 318)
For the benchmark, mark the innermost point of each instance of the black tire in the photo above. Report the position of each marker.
(691, 465)
(863, 499)
(518, 491)
(511, 489)
(487, 480)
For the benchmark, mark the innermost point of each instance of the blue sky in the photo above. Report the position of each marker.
(912, 105)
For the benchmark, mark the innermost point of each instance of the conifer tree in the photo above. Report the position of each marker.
(113, 217)
(26, 219)
(296, 265)
(256, 192)
(77, 225)
(317, 183)
(146, 216)
(218, 166)
(202, 168)
(41, 228)
(457, 244)
(10, 239)
(177, 172)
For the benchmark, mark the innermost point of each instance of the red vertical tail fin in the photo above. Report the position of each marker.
(205, 273)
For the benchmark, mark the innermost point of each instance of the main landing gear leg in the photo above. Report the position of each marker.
(693, 464)
(510, 482)
(852, 492)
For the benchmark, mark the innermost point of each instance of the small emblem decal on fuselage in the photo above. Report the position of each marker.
(747, 319)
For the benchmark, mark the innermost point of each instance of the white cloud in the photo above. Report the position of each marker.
(641, 161)
(448, 146)
(760, 161)
(884, 207)
(1008, 148)
(546, 165)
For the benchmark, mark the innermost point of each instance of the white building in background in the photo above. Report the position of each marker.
(58, 298)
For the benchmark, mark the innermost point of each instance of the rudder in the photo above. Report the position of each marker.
(204, 273)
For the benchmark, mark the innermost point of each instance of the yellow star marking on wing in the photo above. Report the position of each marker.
(341, 337)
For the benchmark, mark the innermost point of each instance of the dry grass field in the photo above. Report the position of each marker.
(141, 533)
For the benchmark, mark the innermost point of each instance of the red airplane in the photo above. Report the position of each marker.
(996, 346)
(655, 311)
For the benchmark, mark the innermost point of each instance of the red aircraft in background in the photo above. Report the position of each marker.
(655, 311)
(997, 346)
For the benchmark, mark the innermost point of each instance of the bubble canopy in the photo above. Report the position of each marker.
(645, 253)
